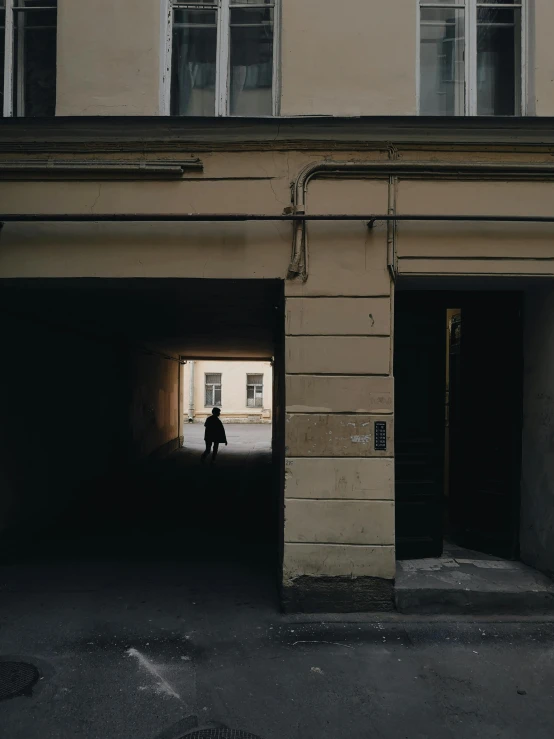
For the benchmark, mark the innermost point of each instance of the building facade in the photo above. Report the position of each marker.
(324, 191)
(242, 390)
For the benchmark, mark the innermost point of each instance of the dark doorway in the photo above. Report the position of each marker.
(458, 418)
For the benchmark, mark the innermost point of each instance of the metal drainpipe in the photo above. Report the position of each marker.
(388, 169)
(166, 169)
(191, 391)
(391, 229)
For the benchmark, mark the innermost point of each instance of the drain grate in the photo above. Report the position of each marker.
(16, 678)
(220, 733)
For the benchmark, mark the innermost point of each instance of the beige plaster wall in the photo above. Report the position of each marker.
(332, 478)
(541, 72)
(346, 259)
(138, 250)
(355, 58)
(475, 248)
(109, 56)
(224, 250)
(233, 385)
(339, 491)
(351, 60)
(338, 344)
(339, 394)
(337, 560)
(334, 435)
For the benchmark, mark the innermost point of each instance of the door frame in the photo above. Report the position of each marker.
(456, 298)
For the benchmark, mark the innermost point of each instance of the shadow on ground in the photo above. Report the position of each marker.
(152, 609)
(174, 507)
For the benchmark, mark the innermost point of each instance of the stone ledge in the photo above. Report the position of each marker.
(471, 583)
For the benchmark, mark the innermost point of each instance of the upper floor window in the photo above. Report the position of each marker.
(28, 55)
(470, 57)
(222, 57)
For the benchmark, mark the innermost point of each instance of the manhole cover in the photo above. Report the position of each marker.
(16, 678)
(218, 733)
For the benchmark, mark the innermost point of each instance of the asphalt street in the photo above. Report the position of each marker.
(147, 651)
(179, 626)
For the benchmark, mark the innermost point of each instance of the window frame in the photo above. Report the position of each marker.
(223, 70)
(9, 70)
(213, 385)
(255, 385)
(10, 65)
(470, 8)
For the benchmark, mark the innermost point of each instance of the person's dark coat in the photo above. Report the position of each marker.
(215, 431)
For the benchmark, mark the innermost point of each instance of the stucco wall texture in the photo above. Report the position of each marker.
(338, 343)
(356, 59)
(109, 57)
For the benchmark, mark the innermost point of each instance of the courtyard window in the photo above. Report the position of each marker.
(254, 391)
(28, 54)
(222, 57)
(212, 390)
(470, 57)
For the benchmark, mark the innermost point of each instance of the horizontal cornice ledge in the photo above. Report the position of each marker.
(149, 134)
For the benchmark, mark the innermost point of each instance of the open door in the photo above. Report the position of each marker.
(485, 425)
(420, 373)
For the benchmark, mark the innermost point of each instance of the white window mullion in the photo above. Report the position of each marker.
(222, 72)
(21, 22)
(276, 83)
(471, 58)
(166, 41)
(8, 60)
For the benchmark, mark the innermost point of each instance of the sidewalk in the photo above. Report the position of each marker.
(466, 582)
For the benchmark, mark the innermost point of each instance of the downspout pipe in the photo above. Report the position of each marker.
(388, 169)
(191, 391)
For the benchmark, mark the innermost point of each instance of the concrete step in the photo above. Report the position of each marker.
(471, 583)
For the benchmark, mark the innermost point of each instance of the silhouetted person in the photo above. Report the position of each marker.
(214, 434)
